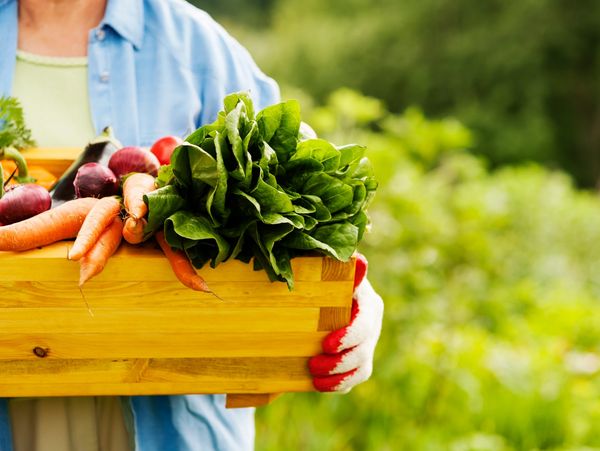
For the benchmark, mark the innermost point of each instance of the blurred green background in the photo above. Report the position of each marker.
(483, 123)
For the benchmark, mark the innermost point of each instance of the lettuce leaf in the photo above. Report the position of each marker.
(247, 187)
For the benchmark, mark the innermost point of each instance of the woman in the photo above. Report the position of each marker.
(148, 68)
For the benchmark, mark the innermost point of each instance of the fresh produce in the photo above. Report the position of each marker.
(247, 187)
(133, 230)
(182, 266)
(134, 189)
(95, 180)
(99, 217)
(164, 147)
(14, 135)
(133, 159)
(20, 202)
(53, 225)
(99, 151)
(93, 262)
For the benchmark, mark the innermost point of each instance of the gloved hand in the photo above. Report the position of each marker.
(348, 352)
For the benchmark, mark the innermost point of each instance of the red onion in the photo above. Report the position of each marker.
(133, 159)
(95, 180)
(23, 201)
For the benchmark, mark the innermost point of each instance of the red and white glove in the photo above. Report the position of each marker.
(348, 352)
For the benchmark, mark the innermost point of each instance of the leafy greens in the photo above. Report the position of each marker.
(247, 186)
(13, 131)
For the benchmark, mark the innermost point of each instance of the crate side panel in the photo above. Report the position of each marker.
(121, 321)
(131, 345)
(153, 294)
(50, 263)
(59, 371)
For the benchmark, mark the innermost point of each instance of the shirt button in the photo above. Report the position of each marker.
(100, 34)
(104, 77)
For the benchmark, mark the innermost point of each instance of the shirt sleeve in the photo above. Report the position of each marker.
(231, 69)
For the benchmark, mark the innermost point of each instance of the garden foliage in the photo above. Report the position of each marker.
(491, 337)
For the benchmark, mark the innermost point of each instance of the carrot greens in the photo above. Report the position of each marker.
(14, 135)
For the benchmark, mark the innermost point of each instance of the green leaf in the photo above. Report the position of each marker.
(232, 101)
(194, 167)
(195, 228)
(361, 221)
(321, 211)
(13, 131)
(165, 175)
(350, 154)
(271, 199)
(232, 128)
(215, 203)
(342, 237)
(335, 194)
(336, 240)
(279, 125)
(319, 150)
(162, 203)
(298, 171)
(266, 237)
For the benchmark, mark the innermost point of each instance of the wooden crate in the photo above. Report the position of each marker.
(135, 330)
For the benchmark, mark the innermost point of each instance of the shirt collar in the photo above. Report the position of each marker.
(126, 17)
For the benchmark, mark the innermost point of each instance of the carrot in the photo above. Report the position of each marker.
(133, 232)
(181, 265)
(95, 222)
(94, 261)
(134, 188)
(53, 225)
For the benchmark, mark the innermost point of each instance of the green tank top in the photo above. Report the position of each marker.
(54, 94)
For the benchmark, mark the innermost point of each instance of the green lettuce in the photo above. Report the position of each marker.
(247, 187)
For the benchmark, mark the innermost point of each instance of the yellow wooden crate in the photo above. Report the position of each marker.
(134, 329)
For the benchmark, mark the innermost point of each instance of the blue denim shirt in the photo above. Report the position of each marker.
(159, 67)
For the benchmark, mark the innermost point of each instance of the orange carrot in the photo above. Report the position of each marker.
(95, 222)
(134, 188)
(181, 265)
(133, 231)
(53, 225)
(94, 261)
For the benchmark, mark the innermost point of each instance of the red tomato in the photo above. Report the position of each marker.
(164, 147)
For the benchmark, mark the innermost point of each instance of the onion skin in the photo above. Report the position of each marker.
(133, 159)
(95, 180)
(22, 202)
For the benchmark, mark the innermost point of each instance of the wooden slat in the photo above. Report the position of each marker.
(332, 318)
(153, 370)
(160, 295)
(337, 270)
(216, 386)
(158, 321)
(55, 160)
(157, 345)
(158, 376)
(249, 399)
(50, 264)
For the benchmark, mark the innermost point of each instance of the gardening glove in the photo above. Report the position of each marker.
(348, 352)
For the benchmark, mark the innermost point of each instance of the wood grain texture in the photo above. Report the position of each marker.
(55, 160)
(139, 345)
(145, 333)
(249, 399)
(332, 318)
(337, 270)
